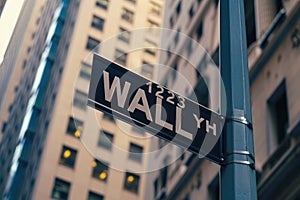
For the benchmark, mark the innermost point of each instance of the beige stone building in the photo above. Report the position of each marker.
(64, 149)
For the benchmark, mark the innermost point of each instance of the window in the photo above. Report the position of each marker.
(85, 71)
(147, 69)
(92, 44)
(155, 8)
(178, 8)
(131, 182)
(124, 35)
(199, 31)
(120, 56)
(176, 38)
(60, 189)
(249, 9)
(106, 140)
(191, 11)
(108, 117)
(135, 152)
(100, 170)
(68, 157)
(74, 127)
(132, 1)
(80, 99)
(214, 189)
(102, 4)
(127, 15)
(278, 110)
(98, 23)
(95, 196)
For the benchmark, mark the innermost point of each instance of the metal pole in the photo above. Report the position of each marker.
(238, 180)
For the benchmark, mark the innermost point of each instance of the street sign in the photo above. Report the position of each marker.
(162, 112)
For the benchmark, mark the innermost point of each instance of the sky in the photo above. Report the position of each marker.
(8, 21)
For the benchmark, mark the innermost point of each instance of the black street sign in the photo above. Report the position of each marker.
(162, 112)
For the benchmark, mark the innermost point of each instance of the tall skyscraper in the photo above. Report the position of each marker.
(44, 157)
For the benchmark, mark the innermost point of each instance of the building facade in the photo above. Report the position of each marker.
(272, 29)
(61, 148)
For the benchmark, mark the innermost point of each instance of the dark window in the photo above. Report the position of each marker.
(250, 21)
(68, 157)
(164, 177)
(75, 127)
(127, 15)
(95, 196)
(171, 22)
(80, 99)
(278, 5)
(176, 38)
(150, 51)
(102, 4)
(279, 113)
(214, 189)
(3, 127)
(132, 1)
(108, 117)
(100, 170)
(178, 8)
(92, 44)
(199, 31)
(135, 152)
(124, 35)
(105, 140)
(98, 23)
(147, 69)
(131, 182)
(120, 56)
(60, 189)
(191, 11)
(85, 71)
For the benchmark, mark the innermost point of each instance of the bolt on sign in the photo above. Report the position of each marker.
(160, 111)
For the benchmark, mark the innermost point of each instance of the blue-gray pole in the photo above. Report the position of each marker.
(238, 180)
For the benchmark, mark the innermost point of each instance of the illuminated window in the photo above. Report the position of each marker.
(98, 23)
(131, 182)
(95, 196)
(100, 170)
(80, 99)
(106, 140)
(135, 152)
(127, 15)
(75, 127)
(60, 189)
(102, 4)
(68, 157)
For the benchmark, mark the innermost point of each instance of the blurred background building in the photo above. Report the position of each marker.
(43, 94)
(44, 115)
(273, 46)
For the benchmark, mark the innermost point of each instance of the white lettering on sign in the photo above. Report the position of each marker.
(208, 127)
(140, 102)
(140, 94)
(158, 119)
(108, 92)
